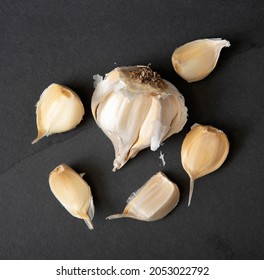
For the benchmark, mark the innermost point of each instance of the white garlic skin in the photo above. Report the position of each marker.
(197, 59)
(135, 115)
(153, 201)
(72, 192)
(59, 109)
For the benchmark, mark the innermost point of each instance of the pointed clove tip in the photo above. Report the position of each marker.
(39, 137)
(115, 216)
(35, 141)
(89, 223)
(191, 190)
(116, 165)
(109, 217)
(190, 198)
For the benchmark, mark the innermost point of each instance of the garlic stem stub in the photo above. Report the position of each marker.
(59, 109)
(153, 201)
(73, 193)
(136, 109)
(196, 60)
(204, 150)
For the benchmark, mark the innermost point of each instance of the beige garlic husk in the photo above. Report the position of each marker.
(136, 109)
(196, 60)
(73, 193)
(203, 151)
(59, 109)
(153, 201)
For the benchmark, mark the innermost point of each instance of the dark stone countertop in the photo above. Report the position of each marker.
(67, 42)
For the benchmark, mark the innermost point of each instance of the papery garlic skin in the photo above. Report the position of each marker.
(136, 109)
(73, 193)
(153, 201)
(196, 60)
(59, 109)
(204, 150)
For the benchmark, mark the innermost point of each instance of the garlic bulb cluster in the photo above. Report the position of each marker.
(153, 201)
(196, 60)
(203, 151)
(136, 109)
(59, 109)
(73, 193)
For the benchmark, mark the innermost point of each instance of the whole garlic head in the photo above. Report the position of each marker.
(136, 109)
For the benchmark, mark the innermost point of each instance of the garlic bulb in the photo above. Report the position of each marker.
(203, 151)
(153, 201)
(136, 109)
(196, 60)
(73, 193)
(59, 109)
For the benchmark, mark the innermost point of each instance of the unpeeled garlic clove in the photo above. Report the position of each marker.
(196, 60)
(203, 151)
(59, 109)
(153, 201)
(136, 109)
(73, 193)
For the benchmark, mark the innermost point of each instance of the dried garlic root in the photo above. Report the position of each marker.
(203, 151)
(136, 109)
(59, 109)
(153, 201)
(196, 60)
(73, 193)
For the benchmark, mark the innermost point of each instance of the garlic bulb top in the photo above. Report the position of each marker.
(136, 109)
(153, 201)
(203, 151)
(72, 192)
(197, 59)
(59, 109)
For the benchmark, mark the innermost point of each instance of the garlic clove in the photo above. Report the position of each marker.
(196, 60)
(127, 112)
(59, 109)
(159, 123)
(153, 201)
(73, 193)
(136, 109)
(203, 151)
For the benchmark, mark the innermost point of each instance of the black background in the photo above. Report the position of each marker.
(67, 42)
